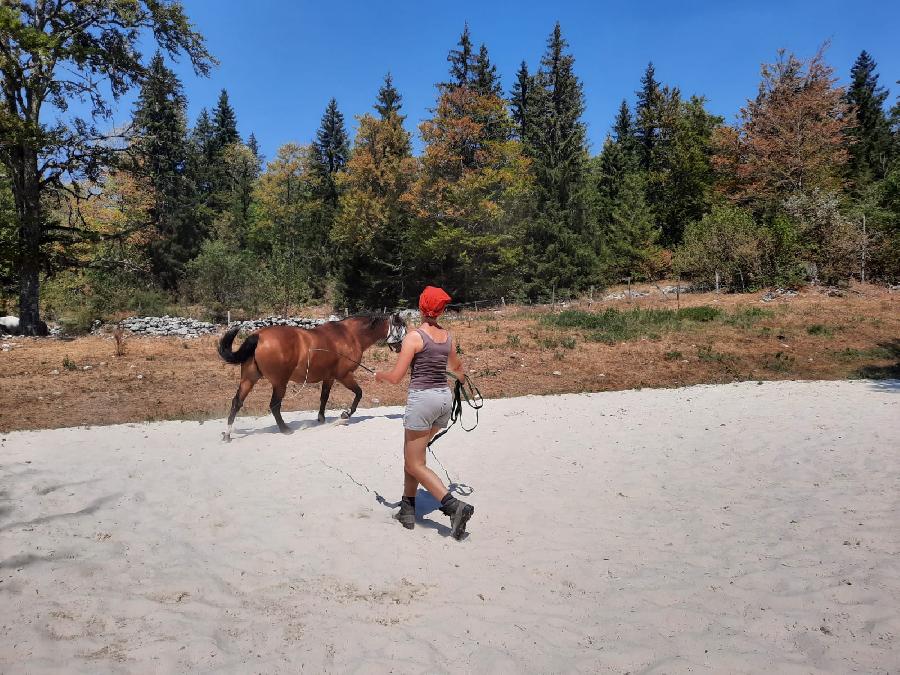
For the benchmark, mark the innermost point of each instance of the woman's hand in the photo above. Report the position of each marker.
(412, 343)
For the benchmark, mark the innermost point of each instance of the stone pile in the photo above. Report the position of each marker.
(175, 326)
(769, 296)
(298, 321)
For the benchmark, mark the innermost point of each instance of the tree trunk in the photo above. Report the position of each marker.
(28, 208)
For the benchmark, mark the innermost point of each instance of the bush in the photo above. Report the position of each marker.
(78, 298)
(727, 241)
(830, 242)
(223, 278)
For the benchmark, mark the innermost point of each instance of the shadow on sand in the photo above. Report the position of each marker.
(303, 425)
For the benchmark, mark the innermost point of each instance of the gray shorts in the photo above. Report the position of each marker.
(427, 408)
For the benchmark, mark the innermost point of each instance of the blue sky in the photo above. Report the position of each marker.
(281, 60)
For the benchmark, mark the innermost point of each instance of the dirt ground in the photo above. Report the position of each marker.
(49, 383)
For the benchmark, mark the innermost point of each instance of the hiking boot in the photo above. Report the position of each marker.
(407, 514)
(459, 513)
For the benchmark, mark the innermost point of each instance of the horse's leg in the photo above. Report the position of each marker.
(323, 398)
(249, 376)
(278, 391)
(350, 382)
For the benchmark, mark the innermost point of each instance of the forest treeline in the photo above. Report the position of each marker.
(506, 198)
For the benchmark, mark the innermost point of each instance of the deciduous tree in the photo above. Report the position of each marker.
(51, 53)
(789, 139)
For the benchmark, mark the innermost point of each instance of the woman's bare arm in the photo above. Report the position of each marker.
(412, 343)
(454, 363)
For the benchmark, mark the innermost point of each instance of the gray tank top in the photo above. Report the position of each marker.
(429, 366)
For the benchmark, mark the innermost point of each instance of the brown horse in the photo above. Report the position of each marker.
(323, 354)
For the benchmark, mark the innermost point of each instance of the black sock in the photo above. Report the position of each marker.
(409, 500)
(446, 498)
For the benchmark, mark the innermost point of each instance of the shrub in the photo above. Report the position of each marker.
(727, 241)
(223, 278)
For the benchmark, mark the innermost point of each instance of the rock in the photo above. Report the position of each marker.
(557, 373)
(54, 372)
(86, 367)
(140, 377)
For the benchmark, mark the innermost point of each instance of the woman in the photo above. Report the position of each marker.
(431, 353)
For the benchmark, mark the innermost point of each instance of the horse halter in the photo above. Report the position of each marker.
(396, 332)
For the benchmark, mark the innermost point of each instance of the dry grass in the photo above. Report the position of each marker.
(510, 353)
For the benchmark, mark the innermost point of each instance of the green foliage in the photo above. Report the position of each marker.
(748, 317)
(471, 197)
(373, 221)
(332, 149)
(674, 355)
(161, 152)
(68, 363)
(819, 329)
(223, 278)
(728, 241)
(225, 123)
(612, 325)
(870, 134)
(293, 221)
(701, 313)
(827, 238)
(54, 53)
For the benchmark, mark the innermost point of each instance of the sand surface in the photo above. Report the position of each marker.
(737, 528)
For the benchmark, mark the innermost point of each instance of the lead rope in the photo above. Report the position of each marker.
(318, 349)
(466, 390)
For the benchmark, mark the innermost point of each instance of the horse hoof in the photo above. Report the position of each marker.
(226, 437)
(345, 415)
(321, 419)
(287, 431)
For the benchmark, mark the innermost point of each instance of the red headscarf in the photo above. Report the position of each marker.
(433, 301)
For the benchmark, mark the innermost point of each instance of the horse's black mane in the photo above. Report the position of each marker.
(373, 317)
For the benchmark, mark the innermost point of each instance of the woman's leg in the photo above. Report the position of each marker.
(415, 470)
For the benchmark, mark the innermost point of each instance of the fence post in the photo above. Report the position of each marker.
(503, 301)
(717, 281)
(553, 295)
(591, 301)
(229, 317)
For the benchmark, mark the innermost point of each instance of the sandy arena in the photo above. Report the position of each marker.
(734, 528)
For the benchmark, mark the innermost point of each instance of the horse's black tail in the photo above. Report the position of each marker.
(244, 353)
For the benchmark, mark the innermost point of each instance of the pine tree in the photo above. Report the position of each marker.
(623, 133)
(485, 80)
(649, 101)
(389, 99)
(557, 139)
(332, 149)
(162, 158)
(203, 153)
(373, 221)
(470, 198)
(559, 245)
(631, 233)
(462, 61)
(253, 144)
(225, 122)
(870, 151)
(518, 100)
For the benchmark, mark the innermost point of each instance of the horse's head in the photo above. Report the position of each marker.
(396, 331)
